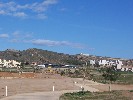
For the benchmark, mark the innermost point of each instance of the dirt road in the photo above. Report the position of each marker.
(39, 95)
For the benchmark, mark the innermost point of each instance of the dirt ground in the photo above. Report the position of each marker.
(27, 83)
(41, 82)
(113, 87)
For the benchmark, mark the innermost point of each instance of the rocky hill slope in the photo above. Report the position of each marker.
(43, 56)
(40, 56)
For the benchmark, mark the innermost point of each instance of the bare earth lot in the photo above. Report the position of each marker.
(41, 85)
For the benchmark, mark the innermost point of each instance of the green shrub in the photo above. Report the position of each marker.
(131, 90)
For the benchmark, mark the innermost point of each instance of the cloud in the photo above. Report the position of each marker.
(4, 35)
(43, 42)
(41, 16)
(18, 10)
(49, 42)
(19, 36)
(63, 9)
(2, 12)
(20, 14)
(14, 40)
(16, 34)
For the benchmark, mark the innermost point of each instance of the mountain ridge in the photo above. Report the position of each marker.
(44, 56)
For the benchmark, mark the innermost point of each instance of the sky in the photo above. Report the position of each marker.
(95, 27)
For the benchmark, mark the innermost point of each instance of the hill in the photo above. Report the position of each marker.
(43, 56)
(40, 56)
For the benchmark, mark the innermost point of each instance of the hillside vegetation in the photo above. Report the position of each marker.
(43, 56)
(40, 56)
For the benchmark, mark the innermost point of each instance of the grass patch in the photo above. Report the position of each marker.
(131, 90)
(113, 95)
(125, 79)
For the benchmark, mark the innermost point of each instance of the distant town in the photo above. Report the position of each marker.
(81, 61)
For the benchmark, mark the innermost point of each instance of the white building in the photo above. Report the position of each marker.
(84, 54)
(119, 64)
(103, 62)
(92, 62)
(9, 63)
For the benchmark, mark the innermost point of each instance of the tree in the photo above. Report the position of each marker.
(22, 65)
(111, 75)
(76, 72)
(62, 73)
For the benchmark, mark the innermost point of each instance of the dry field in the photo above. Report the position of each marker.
(30, 82)
(41, 82)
